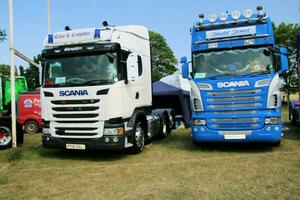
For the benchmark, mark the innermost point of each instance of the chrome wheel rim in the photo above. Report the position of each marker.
(139, 136)
(6, 136)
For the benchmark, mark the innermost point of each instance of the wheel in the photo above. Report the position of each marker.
(171, 123)
(31, 126)
(294, 118)
(5, 137)
(138, 138)
(164, 126)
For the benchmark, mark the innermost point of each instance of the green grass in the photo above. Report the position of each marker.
(172, 168)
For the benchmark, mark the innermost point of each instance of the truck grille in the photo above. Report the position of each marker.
(233, 99)
(231, 109)
(234, 123)
(76, 118)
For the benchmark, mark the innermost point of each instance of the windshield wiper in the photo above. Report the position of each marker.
(96, 82)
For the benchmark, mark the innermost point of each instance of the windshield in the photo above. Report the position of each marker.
(233, 62)
(81, 70)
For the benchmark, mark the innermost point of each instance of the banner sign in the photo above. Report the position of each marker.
(231, 32)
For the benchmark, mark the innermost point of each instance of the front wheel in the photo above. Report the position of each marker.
(138, 138)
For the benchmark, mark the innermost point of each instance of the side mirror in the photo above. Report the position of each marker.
(284, 64)
(132, 67)
(184, 67)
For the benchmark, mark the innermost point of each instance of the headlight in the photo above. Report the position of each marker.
(212, 18)
(273, 120)
(223, 16)
(199, 122)
(236, 14)
(248, 13)
(46, 131)
(113, 131)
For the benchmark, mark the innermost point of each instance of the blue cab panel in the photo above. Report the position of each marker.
(240, 99)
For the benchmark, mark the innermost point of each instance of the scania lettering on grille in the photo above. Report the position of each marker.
(232, 84)
(73, 93)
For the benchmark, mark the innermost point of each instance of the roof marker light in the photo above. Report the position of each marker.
(97, 33)
(260, 11)
(236, 14)
(223, 16)
(201, 18)
(248, 13)
(212, 18)
(50, 38)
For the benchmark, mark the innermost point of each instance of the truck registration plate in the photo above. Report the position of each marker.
(234, 137)
(75, 146)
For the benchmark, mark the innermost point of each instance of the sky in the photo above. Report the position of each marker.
(171, 18)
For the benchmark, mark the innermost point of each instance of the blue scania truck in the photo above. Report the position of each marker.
(235, 75)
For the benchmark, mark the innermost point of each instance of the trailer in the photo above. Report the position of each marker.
(96, 90)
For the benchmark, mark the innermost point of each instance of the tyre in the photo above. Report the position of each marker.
(171, 123)
(138, 138)
(164, 126)
(31, 126)
(294, 118)
(5, 137)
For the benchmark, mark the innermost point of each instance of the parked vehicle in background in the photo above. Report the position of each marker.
(96, 90)
(5, 100)
(294, 107)
(29, 111)
(235, 70)
(6, 134)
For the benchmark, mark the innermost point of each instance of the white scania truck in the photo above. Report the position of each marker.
(96, 90)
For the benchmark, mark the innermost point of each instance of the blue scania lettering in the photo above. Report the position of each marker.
(235, 73)
(73, 93)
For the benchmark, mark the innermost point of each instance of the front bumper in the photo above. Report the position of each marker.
(269, 133)
(90, 144)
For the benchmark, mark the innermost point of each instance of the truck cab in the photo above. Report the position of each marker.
(96, 89)
(235, 77)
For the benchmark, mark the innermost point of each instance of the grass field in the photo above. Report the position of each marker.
(172, 168)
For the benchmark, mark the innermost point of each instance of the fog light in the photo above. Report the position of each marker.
(268, 128)
(115, 139)
(46, 131)
(47, 138)
(106, 139)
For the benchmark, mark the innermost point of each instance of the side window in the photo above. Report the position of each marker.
(140, 65)
(124, 56)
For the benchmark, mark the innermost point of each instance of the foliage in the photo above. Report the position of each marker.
(2, 35)
(5, 70)
(163, 59)
(32, 73)
(286, 36)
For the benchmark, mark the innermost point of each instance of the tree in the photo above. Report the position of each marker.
(163, 59)
(286, 36)
(32, 73)
(2, 35)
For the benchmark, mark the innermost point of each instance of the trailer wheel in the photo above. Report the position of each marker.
(138, 138)
(5, 137)
(294, 118)
(164, 126)
(171, 123)
(31, 126)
